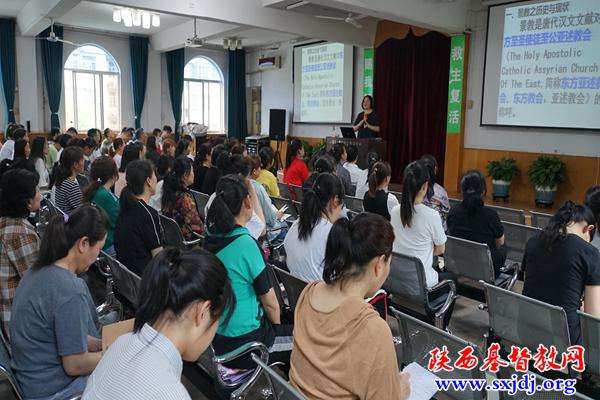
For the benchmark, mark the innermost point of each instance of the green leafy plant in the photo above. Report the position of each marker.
(547, 171)
(309, 150)
(504, 169)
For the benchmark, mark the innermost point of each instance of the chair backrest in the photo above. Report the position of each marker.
(540, 220)
(291, 208)
(524, 321)
(516, 237)
(274, 280)
(398, 195)
(201, 202)
(127, 283)
(419, 338)
(406, 282)
(298, 206)
(293, 286)
(54, 210)
(297, 192)
(172, 232)
(354, 203)
(5, 368)
(282, 390)
(469, 259)
(284, 191)
(510, 214)
(454, 202)
(590, 335)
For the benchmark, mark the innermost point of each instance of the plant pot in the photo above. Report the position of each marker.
(545, 195)
(500, 188)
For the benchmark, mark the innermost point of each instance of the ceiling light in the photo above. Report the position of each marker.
(127, 18)
(116, 15)
(226, 44)
(146, 20)
(296, 5)
(137, 18)
(155, 20)
(239, 44)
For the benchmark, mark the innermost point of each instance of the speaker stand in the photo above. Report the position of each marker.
(277, 158)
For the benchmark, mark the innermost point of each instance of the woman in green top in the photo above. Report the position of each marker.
(104, 174)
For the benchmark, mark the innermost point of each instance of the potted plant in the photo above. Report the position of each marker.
(545, 173)
(502, 173)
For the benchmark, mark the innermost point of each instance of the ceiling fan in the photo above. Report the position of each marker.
(350, 19)
(194, 41)
(52, 38)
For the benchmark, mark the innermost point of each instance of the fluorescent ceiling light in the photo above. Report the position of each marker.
(155, 20)
(146, 20)
(137, 18)
(116, 15)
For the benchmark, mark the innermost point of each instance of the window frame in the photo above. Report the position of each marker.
(205, 89)
(100, 88)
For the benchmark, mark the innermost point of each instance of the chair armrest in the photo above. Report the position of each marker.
(449, 300)
(513, 279)
(190, 243)
(199, 236)
(256, 347)
(505, 269)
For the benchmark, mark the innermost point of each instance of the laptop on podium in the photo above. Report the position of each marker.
(348, 132)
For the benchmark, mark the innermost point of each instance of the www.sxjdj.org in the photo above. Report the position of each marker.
(525, 384)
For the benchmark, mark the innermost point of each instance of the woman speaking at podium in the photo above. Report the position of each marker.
(367, 122)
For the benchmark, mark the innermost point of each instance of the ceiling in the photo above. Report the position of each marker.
(10, 8)
(255, 37)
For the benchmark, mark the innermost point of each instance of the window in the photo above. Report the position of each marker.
(92, 89)
(203, 100)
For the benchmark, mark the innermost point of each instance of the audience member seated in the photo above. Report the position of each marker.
(95, 138)
(131, 153)
(177, 201)
(378, 200)
(240, 149)
(169, 146)
(54, 146)
(53, 330)
(356, 174)
(39, 152)
(338, 152)
(236, 165)
(139, 235)
(152, 150)
(437, 197)
(215, 171)
(592, 200)
(67, 191)
(343, 349)
(22, 149)
(88, 145)
(183, 296)
(296, 171)
(363, 184)
(561, 266)
(19, 241)
(323, 164)
(275, 227)
(164, 166)
(202, 164)
(184, 148)
(256, 315)
(8, 148)
(117, 151)
(472, 220)
(418, 228)
(109, 137)
(104, 174)
(266, 177)
(305, 242)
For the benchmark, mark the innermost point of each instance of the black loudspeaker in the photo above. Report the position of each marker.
(277, 124)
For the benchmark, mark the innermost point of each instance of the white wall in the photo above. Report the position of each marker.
(277, 90)
(571, 142)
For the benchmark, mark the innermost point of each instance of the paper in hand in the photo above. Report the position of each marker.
(422, 382)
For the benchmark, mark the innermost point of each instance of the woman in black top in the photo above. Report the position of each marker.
(215, 172)
(377, 200)
(138, 234)
(472, 220)
(202, 164)
(367, 122)
(561, 266)
(152, 150)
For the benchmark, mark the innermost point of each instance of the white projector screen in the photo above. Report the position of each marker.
(542, 66)
(323, 83)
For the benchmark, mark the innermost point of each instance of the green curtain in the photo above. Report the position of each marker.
(52, 63)
(237, 122)
(175, 66)
(7, 65)
(138, 54)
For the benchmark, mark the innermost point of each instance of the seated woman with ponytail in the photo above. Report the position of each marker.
(472, 220)
(177, 200)
(305, 242)
(362, 187)
(256, 315)
(139, 235)
(67, 191)
(342, 348)
(561, 266)
(296, 171)
(418, 228)
(323, 164)
(377, 200)
(592, 200)
(183, 295)
(104, 174)
(54, 326)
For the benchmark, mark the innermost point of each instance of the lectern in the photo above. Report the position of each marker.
(364, 146)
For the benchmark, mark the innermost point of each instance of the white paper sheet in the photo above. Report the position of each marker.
(422, 382)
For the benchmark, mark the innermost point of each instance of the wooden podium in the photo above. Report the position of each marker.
(364, 146)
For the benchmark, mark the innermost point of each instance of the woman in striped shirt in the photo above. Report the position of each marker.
(67, 191)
